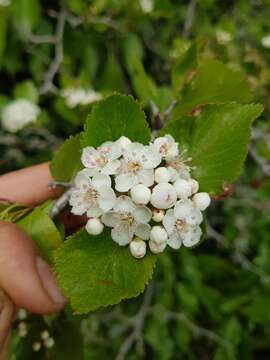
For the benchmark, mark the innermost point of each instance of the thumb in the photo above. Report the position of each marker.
(24, 275)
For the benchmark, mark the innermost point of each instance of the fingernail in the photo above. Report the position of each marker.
(48, 281)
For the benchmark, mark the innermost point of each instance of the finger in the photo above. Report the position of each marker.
(28, 186)
(6, 316)
(24, 276)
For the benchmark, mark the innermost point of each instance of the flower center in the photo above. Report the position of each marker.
(134, 167)
(164, 149)
(127, 218)
(102, 160)
(91, 196)
(181, 225)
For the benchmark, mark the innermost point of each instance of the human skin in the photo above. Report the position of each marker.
(26, 280)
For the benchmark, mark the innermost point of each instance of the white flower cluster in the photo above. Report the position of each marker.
(5, 2)
(130, 187)
(79, 96)
(18, 114)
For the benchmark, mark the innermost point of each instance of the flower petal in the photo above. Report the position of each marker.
(94, 211)
(143, 231)
(124, 204)
(125, 182)
(89, 157)
(146, 177)
(122, 234)
(111, 167)
(101, 180)
(169, 221)
(192, 237)
(110, 218)
(142, 214)
(174, 241)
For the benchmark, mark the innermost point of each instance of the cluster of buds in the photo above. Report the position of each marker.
(145, 193)
(45, 341)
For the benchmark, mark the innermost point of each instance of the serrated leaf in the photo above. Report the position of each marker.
(213, 83)
(217, 142)
(94, 271)
(113, 117)
(42, 230)
(67, 160)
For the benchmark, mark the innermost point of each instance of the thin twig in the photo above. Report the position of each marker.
(199, 331)
(135, 337)
(48, 85)
(189, 18)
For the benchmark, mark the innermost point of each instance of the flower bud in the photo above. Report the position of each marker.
(49, 343)
(158, 234)
(124, 142)
(162, 175)
(140, 194)
(158, 215)
(22, 314)
(157, 248)
(202, 200)
(163, 196)
(36, 346)
(194, 186)
(137, 248)
(45, 335)
(183, 188)
(94, 226)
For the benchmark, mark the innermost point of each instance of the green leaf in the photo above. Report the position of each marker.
(94, 271)
(26, 90)
(42, 230)
(184, 66)
(67, 160)
(26, 14)
(3, 31)
(112, 78)
(113, 117)
(216, 141)
(213, 83)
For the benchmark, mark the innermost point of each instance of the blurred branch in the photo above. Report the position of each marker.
(136, 337)
(198, 331)
(90, 19)
(189, 18)
(48, 85)
(40, 39)
(258, 134)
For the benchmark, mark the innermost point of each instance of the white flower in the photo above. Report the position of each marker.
(80, 96)
(182, 224)
(19, 113)
(127, 220)
(162, 174)
(137, 248)
(104, 159)
(94, 226)
(36, 346)
(163, 196)
(147, 5)
(140, 194)
(166, 146)
(201, 200)
(223, 37)
(183, 188)
(94, 196)
(265, 41)
(137, 167)
(5, 2)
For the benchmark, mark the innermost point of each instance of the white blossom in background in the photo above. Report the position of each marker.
(147, 5)
(79, 96)
(18, 114)
(265, 41)
(223, 37)
(5, 2)
(144, 193)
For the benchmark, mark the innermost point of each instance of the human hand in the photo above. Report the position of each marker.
(26, 280)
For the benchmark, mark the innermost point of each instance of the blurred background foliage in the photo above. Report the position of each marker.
(209, 303)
